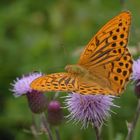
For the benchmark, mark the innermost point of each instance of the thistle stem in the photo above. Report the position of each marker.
(46, 126)
(57, 134)
(131, 126)
(97, 133)
(34, 132)
(33, 128)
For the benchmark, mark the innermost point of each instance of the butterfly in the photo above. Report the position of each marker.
(104, 66)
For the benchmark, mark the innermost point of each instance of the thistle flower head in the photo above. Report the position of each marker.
(36, 100)
(22, 85)
(87, 109)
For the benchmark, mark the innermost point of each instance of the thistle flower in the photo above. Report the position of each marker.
(87, 109)
(136, 70)
(36, 100)
(136, 77)
(55, 114)
(22, 85)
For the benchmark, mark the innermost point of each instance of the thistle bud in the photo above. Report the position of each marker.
(55, 114)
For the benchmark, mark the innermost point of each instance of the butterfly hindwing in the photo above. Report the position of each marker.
(120, 72)
(93, 88)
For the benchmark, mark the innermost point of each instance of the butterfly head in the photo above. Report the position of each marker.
(70, 68)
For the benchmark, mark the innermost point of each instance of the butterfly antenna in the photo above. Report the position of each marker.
(123, 4)
(55, 68)
(66, 53)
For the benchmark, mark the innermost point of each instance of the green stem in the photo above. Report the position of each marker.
(34, 128)
(110, 129)
(131, 126)
(46, 126)
(97, 133)
(57, 134)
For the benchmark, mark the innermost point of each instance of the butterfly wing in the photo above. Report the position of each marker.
(115, 74)
(92, 88)
(67, 83)
(106, 53)
(109, 43)
(54, 82)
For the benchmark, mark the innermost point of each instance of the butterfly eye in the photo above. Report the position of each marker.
(67, 68)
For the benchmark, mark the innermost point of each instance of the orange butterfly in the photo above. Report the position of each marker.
(104, 66)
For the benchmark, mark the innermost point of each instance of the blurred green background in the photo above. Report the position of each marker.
(46, 35)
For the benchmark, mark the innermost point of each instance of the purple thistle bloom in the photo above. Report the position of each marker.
(36, 100)
(136, 70)
(136, 77)
(22, 85)
(87, 109)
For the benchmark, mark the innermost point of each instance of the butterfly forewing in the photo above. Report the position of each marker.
(109, 42)
(55, 82)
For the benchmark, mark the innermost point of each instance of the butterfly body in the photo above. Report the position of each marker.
(104, 66)
(78, 71)
(81, 73)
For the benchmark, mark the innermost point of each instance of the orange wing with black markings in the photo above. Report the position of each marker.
(104, 66)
